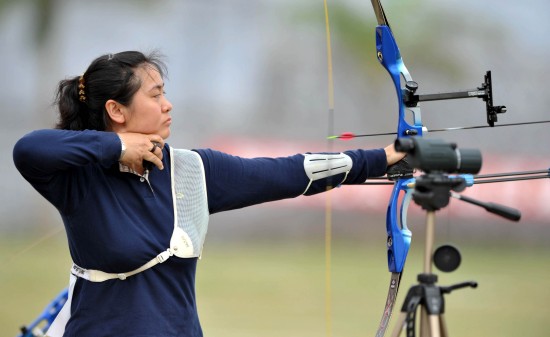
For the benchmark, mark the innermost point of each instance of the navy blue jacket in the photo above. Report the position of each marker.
(115, 222)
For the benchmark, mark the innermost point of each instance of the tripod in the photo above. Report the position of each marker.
(427, 295)
(432, 192)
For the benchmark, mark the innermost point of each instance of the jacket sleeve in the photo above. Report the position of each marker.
(51, 160)
(234, 182)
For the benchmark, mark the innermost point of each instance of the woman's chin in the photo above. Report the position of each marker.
(165, 134)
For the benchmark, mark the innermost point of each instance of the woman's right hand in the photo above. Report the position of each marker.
(140, 148)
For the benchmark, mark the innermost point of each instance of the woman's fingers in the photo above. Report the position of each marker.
(156, 155)
(142, 149)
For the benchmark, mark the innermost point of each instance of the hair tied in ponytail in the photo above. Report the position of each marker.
(81, 87)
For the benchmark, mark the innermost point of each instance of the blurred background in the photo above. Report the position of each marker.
(250, 78)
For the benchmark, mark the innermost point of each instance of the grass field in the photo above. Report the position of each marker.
(278, 288)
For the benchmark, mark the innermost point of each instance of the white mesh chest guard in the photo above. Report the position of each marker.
(190, 203)
(190, 226)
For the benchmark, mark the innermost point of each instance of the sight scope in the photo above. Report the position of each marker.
(435, 155)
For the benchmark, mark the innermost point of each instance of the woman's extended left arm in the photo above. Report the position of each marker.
(235, 182)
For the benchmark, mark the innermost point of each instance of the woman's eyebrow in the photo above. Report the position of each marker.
(157, 86)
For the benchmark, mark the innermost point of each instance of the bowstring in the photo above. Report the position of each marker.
(35, 243)
(328, 198)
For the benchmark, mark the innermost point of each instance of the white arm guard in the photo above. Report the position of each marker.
(319, 166)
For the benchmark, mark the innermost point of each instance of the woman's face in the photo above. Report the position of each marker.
(149, 112)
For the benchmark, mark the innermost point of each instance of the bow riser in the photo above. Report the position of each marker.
(399, 237)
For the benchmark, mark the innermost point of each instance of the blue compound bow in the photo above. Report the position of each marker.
(399, 236)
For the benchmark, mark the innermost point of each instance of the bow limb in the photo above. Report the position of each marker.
(399, 240)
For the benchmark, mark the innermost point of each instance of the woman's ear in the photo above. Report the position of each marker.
(115, 111)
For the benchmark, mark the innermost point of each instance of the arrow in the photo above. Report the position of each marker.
(351, 135)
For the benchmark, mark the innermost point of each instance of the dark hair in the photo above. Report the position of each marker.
(111, 76)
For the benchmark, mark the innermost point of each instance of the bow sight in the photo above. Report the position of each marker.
(485, 92)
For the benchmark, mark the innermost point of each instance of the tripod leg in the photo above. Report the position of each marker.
(424, 323)
(399, 325)
(435, 328)
(429, 245)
